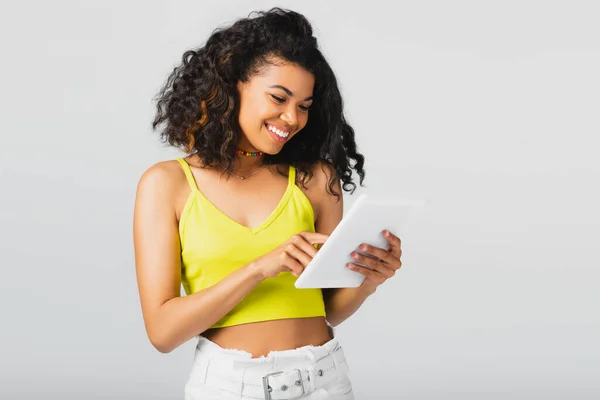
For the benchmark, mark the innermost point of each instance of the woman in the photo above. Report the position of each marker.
(237, 220)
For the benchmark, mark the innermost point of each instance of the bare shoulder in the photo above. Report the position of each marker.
(323, 172)
(328, 207)
(164, 183)
(161, 177)
(162, 173)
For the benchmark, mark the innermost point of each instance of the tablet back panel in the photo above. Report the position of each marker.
(363, 223)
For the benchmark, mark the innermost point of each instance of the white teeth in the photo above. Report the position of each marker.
(277, 131)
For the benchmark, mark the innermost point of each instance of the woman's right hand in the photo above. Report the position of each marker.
(292, 256)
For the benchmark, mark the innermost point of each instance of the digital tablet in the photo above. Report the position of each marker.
(363, 223)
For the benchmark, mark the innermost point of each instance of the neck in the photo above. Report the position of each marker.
(245, 164)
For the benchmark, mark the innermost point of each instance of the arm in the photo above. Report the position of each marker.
(340, 303)
(170, 319)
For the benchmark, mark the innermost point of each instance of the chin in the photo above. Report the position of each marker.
(272, 152)
(271, 148)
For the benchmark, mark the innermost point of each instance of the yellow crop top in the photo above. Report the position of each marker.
(213, 246)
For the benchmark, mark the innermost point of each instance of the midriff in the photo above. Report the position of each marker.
(260, 338)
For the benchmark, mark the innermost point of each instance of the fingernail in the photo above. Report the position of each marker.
(364, 247)
(387, 233)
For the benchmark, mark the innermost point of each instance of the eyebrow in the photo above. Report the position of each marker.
(288, 91)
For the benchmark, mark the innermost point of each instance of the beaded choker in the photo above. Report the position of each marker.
(248, 153)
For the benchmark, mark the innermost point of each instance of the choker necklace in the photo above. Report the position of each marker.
(248, 153)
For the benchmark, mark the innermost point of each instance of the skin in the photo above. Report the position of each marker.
(170, 319)
(263, 99)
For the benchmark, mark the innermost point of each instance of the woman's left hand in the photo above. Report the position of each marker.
(382, 267)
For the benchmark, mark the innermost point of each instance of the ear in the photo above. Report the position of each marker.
(240, 86)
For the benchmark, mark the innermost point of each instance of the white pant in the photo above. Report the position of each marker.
(307, 373)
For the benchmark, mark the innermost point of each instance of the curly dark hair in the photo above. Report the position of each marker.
(199, 103)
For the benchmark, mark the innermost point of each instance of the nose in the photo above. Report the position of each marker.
(290, 116)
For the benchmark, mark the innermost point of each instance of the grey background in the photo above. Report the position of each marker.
(487, 110)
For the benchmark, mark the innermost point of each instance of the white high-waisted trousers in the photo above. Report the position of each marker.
(307, 373)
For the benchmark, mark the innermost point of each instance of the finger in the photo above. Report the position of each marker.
(374, 264)
(293, 265)
(315, 240)
(304, 244)
(314, 237)
(381, 254)
(369, 274)
(395, 243)
(298, 254)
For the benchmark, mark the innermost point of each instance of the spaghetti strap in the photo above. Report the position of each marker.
(188, 174)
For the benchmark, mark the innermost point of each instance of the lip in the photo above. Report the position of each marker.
(281, 128)
(274, 136)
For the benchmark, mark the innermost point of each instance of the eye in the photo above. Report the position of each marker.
(305, 108)
(277, 99)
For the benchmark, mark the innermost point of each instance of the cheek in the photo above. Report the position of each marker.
(257, 112)
(250, 115)
(302, 120)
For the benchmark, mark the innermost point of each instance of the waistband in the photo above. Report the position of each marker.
(282, 374)
(304, 355)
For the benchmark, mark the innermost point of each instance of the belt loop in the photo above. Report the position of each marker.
(240, 391)
(338, 366)
(205, 370)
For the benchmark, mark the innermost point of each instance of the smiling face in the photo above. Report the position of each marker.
(274, 106)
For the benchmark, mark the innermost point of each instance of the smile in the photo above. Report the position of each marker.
(279, 132)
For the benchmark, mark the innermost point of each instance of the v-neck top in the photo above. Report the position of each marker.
(213, 245)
